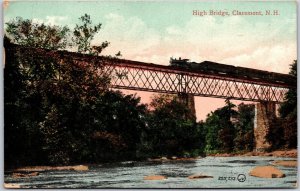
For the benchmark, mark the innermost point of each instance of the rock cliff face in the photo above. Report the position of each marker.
(265, 113)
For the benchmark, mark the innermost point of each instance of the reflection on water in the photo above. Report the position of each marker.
(130, 174)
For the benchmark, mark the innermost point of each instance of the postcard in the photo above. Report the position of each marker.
(150, 94)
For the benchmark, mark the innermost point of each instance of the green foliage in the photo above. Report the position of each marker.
(288, 113)
(228, 130)
(212, 128)
(289, 107)
(168, 132)
(85, 33)
(118, 122)
(220, 129)
(161, 101)
(244, 139)
(25, 32)
(50, 98)
(27, 81)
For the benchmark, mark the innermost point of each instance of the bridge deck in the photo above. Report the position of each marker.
(221, 71)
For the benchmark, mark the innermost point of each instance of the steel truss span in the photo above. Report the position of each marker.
(140, 76)
(161, 80)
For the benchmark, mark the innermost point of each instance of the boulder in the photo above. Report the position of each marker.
(155, 177)
(76, 168)
(24, 175)
(286, 153)
(81, 168)
(199, 176)
(8, 185)
(266, 172)
(51, 168)
(290, 163)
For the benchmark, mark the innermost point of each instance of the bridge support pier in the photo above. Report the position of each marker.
(265, 113)
(189, 101)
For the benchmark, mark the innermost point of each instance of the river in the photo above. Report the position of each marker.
(130, 174)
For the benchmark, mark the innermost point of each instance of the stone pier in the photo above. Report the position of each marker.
(189, 101)
(265, 114)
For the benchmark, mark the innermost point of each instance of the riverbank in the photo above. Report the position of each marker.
(49, 168)
(279, 153)
(292, 153)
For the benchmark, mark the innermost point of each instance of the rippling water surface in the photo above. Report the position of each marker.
(130, 174)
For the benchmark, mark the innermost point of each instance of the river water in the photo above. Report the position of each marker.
(130, 174)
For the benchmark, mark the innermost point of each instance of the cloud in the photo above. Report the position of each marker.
(272, 58)
(234, 40)
(268, 46)
(51, 20)
(132, 36)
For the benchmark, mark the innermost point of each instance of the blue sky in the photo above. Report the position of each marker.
(155, 31)
(156, 14)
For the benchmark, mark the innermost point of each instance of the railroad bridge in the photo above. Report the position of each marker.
(189, 79)
(209, 79)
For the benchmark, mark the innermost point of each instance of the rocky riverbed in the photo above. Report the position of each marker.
(208, 172)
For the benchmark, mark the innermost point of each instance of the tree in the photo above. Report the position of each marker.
(117, 122)
(46, 88)
(289, 106)
(244, 140)
(27, 77)
(19, 136)
(161, 101)
(168, 132)
(84, 34)
(26, 32)
(212, 127)
(288, 113)
(66, 113)
(220, 129)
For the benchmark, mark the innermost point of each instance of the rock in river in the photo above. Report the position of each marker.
(155, 177)
(289, 163)
(80, 168)
(51, 168)
(199, 176)
(266, 172)
(24, 175)
(9, 186)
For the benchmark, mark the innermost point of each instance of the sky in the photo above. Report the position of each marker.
(155, 31)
